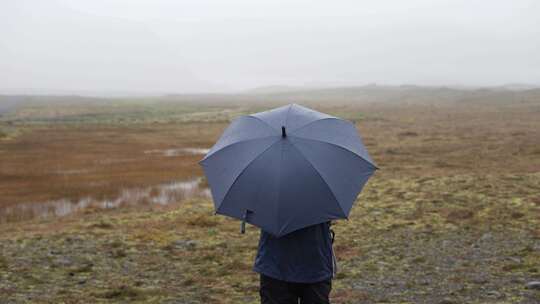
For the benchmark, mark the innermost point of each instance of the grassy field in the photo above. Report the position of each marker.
(453, 216)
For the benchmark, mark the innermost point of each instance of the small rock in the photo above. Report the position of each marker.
(493, 294)
(533, 285)
(447, 301)
(515, 260)
(184, 244)
(63, 261)
(486, 237)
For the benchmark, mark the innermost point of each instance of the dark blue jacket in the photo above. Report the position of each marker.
(302, 256)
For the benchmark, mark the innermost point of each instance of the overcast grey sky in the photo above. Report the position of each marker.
(224, 45)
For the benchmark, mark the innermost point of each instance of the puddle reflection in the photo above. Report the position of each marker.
(163, 194)
(178, 152)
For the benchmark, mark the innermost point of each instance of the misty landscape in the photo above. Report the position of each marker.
(107, 107)
(97, 192)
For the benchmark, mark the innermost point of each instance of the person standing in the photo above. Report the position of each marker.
(297, 267)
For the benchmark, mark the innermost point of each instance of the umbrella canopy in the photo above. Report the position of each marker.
(287, 168)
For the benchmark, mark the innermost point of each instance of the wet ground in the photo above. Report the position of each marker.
(162, 194)
(178, 151)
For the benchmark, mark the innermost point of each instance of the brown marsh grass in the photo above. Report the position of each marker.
(55, 162)
(451, 217)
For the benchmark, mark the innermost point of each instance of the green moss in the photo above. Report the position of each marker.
(127, 293)
(3, 262)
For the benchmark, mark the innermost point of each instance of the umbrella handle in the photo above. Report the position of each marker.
(243, 224)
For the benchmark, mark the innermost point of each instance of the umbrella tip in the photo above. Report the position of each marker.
(283, 132)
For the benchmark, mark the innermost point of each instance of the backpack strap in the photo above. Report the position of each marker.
(334, 259)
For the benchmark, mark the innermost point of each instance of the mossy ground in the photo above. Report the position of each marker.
(453, 216)
(462, 239)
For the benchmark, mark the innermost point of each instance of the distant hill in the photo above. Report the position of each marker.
(392, 94)
(286, 94)
(8, 104)
(518, 87)
(274, 89)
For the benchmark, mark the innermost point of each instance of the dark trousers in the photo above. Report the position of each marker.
(274, 291)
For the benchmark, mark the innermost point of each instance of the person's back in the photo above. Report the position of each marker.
(297, 266)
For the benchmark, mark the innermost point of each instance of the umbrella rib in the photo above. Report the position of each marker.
(242, 172)
(233, 144)
(341, 147)
(310, 123)
(287, 115)
(263, 122)
(279, 188)
(324, 181)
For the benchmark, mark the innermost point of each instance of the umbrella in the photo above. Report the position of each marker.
(287, 168)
